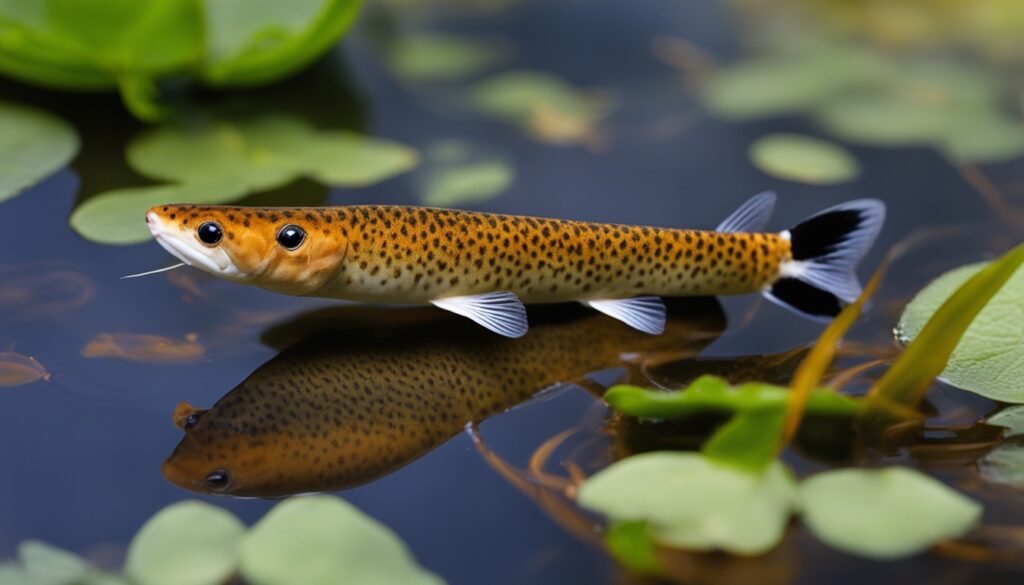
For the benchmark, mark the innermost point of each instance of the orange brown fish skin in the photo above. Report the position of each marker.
(344, 407)
(416, 255)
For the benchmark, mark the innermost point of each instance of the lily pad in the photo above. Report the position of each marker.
(805, 159)
(117, 217)
(692, 502)
(479, 181)
(33, 145)
(188, 542)
(321, 540)
(42, 564)
(256, 41)
(884, 514)
(438, 57)
(989, 360)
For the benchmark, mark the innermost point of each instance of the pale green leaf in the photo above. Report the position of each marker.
(322, 540)
(44, 564)
(630, 543)
(350, 160)
(256, 41)
(1005, 464)
(438, 57)
(118, 217)
(480, 181)
(515, 95)
(188, 542)
(886, 120)
(884, 514)
(802, 158)
(989, 359)
(988, 137)
(693, 502)
(33, 144)
(1012, 419)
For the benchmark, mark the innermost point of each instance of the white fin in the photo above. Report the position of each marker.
(157, 271)
(646, 314)
(501, 312)
(821, 277)
(752, 216)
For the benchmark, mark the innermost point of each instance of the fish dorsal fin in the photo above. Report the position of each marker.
(501, 312)
(752, 216)
(645, 314)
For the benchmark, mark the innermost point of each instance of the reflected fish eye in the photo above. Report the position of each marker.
(218, 479)
(210, 233)
(291, 236)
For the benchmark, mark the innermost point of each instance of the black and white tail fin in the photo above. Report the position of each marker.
(821, 279)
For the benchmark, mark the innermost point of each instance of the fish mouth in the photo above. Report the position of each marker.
(178, 477)
(187, 253)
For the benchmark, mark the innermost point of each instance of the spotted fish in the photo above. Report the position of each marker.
(352, 401)
(485, 266)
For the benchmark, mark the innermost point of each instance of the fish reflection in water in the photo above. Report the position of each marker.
(373, 390)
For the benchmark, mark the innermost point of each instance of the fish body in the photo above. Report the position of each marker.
(351, 402)
(484, 266)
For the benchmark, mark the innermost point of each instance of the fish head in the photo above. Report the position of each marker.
(293, 251)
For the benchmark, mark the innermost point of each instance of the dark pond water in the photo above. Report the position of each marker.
(81, 454)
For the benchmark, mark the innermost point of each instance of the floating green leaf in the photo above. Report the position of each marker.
(710, 394)
(692, 502)
(479, 181)
(801, 158)
(188, 542)
(989, 358)
(884, 514)
(226, 161)
(437, 57)
(33, 144)
(256, 41)
(336, 540)
(987, 137)
(630, 543)
(548, 107)
(117, 217)
(1012, 419)
(42, 564)
(748, 441)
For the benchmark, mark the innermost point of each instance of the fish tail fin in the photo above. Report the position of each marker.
(820, 279)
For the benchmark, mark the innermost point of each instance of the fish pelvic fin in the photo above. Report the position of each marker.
(821, 277)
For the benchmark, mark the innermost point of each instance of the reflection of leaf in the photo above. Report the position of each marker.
(989, 359)
(691, 502)
(188, 542)
(886, 513)
(479, 181)
(255, 41)
(548, 107)
(143, 348)
(117, 217)
(33, 144)
(435, 57)
(315, 540)
(1005, 464)
(804, 159)
(17, 369)
(1012, 419)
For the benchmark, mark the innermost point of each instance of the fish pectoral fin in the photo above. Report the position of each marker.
(645, 314)
(501, 312)
(752, 216)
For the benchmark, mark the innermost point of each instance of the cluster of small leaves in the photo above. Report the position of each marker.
(227, 160)
(737, 497)
(861, 96)
(314, 540)
(131, 45)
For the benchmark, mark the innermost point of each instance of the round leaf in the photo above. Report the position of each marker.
(349, 160)
(516, 95)
(33, 144)
(188, 542)
(118, 217)
(47, 565)
(322, 540)
(432, 57)
(884, 514)
(467, 183)
(694, 503)
(989, 360)
(804, 159)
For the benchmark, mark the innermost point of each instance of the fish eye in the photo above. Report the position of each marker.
(291, 236)
(218, 479)
(192, 419)
(210, 233)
